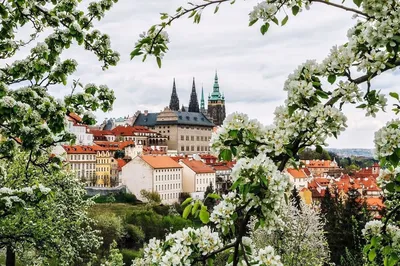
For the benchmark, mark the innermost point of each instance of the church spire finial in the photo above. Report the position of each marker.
(194, 102)
(202, 104)
(216, 85)
(174, 102)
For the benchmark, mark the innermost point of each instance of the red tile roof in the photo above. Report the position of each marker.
(221, 167)
(75, 117)
(130, 130)
(115, 145)
(121, 163)
(79, 149)
(160, 162)
(296, 173)
(197, 166)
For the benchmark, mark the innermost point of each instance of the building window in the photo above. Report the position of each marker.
(192, 148)
(192, 138)
(187, 148)
(187, 137)
(182, 148)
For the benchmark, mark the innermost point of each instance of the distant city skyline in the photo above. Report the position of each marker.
(252, 68)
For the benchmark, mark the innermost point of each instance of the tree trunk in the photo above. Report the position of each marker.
(10, 257)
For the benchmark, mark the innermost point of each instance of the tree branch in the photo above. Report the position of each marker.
(326, 2)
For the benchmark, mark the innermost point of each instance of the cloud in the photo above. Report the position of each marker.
(252, 68)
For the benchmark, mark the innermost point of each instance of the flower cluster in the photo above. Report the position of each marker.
(181, 247)
(387, 139)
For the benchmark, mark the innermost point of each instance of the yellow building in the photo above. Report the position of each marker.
(103, 166)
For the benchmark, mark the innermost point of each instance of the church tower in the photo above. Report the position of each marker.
(202, 104)
(194, 102)
(174, 102)
(216, 104)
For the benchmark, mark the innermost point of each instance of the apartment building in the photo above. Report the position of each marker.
(82, 160)
(153, 173)
(197, 176)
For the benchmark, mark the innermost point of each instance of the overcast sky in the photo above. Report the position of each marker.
(252, 68)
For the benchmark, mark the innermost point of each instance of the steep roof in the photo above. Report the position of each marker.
(160, 162)
(121, 163)
(184, 118)
(75, 117)
(130, 130)
(115, 145)
(79, 149)
(197, 166)
(296, 173)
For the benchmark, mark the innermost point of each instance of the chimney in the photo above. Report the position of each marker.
(146, 112)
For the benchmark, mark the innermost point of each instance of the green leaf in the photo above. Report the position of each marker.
(374, 241)
(210, 262)
(372, 255)
(253, 22)
(319, 149)
(362, 106)
(216, 9)
(186, 202)
(204, 216)
(285, 20)
(331, 78)
(264, 28)
(186, 211)
(226, 155)
(159, 62)
(276, 21)
(394, 95)
(393, 259)
(358, 2)
(295, 10)
(195, 207)
(390, 187)
(213, 196)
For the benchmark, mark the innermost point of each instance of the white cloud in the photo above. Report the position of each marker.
(252, 68)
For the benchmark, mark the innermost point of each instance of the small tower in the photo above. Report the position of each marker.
(202, 104)
(174, 102)
(216, 104)
(194, 102)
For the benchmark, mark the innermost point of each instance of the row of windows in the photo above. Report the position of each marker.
(168, 177)
(168, 170)
(104, 161)
(198, 138)
(78, 166)
(168, 196)
(83, 157)
(204, 181)
(168, 186)
(197, 128)
(198, 148)
(102, 169)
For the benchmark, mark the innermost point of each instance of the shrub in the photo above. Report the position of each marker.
(134, 235)
(129, 255)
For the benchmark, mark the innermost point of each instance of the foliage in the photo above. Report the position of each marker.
(383, 237)
(115, 258)
(345, 218)
(209, 202)
(129, 255)
(55, 225)
(24, 108)
(134, 235)
(316, 93)
(110, 228)
(119, 154)
(300, 239)
(119, 197)
(152, 197)
(295, 198)
(309, 154)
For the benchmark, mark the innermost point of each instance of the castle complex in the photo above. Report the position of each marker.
(216, 103)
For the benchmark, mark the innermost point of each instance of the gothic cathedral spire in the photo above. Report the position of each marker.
(174, 102)
(194, 102)
(202, 104)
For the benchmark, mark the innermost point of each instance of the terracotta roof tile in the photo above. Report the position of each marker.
(158, 162)
(130, 130)
(115, 145)
(197, 166)
(121, 163)
(79, 149)
(296, 173)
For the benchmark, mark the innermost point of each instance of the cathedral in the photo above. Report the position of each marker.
(216, 103)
